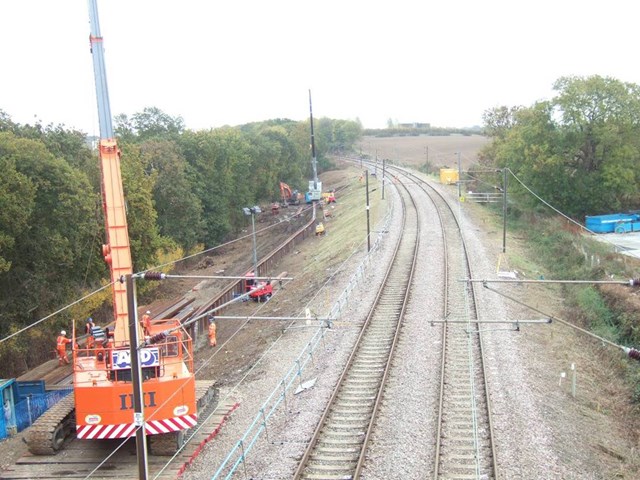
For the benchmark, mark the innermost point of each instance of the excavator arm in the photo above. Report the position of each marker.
(285, 192)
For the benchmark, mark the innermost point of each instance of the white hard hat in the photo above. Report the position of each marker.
(63, 332)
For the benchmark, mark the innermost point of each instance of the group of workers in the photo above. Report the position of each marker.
(97, 338)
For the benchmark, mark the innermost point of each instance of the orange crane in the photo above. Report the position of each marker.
(103, 375)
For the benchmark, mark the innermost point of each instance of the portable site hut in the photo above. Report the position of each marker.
(8, 418)
(449, 176)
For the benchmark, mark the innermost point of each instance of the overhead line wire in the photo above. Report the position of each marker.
(56, 312)
(562, 214)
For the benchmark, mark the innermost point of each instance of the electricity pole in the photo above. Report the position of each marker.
(136, 380)
(368, 230)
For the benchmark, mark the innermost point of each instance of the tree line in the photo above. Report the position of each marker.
(580, 150)
(183, 190)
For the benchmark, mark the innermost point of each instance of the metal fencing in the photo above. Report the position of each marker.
(28, 410)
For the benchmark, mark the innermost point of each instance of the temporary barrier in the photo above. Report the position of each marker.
(32, 406)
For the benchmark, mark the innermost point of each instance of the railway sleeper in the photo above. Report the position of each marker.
(344, 430)
(336, 450)
(363, 382)
(358, 392)
(360, 399)
(344, 411)
(336, 442)
(348, 401)
(334, 469)
(363, 417)
(331, 431)
(335, 458)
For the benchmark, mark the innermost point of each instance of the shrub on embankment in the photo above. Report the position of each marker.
(563, 252)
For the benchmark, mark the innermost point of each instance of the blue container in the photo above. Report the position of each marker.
(615, 222)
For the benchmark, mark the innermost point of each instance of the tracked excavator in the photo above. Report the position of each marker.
(289, 197)
(102, 404)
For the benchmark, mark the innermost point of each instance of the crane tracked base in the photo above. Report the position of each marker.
(47, 435)
(168, 444)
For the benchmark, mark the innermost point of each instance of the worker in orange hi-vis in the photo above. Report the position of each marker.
(145, 323)
(61, 348)
(212, 332)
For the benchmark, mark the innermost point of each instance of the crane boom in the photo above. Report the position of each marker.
(99, 72)
(313, 147)
(117, 251)
(105, 406)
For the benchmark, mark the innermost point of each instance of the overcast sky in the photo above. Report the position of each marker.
(228, 62)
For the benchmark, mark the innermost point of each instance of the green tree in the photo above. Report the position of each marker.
(211, 156)
(55, 252)
(499, 120)
(17, 199)
(153, 122)
(577, 151)
(138, 184)
(178, 207)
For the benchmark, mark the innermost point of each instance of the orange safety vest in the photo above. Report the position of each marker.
(62, 342)
(146, 322)
(90, 339)
(212, 334)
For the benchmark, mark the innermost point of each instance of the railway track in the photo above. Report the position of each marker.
(339, 443)
(464, 446)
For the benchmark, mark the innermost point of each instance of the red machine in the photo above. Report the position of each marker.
(259, 291)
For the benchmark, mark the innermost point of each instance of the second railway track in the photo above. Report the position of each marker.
(339, 443)
(464, 445)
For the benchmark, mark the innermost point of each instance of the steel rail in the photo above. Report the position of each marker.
(338, 445)
(459, 374)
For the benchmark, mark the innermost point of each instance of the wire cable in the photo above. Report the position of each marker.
(564, 215)
(66, 307)
(157, 267)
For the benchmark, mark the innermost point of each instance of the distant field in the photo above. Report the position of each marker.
(413, 151)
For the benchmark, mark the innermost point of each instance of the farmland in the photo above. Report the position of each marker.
(440, 151)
